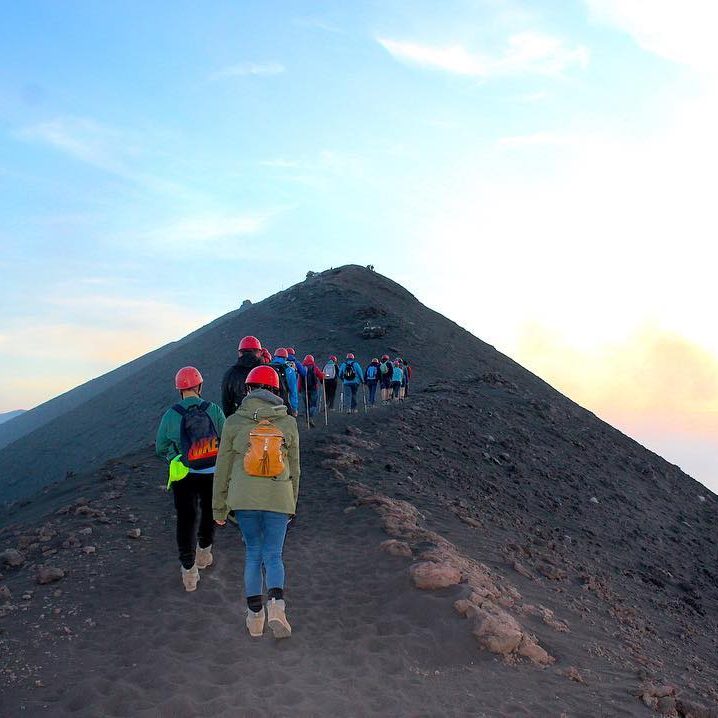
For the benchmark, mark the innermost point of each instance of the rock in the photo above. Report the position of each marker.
(12, 557)
(428, 575)
(49, 574)
(89, 550)
(466, 608)
(5, 593)
(71, 542)
(498, 633)
(396, 548)
(594, 500)
(134, 533)
(552, 572)
(666, 706)
(529, 648)
(85, 532)
(573, 674)
(470, 521)
(521, 569)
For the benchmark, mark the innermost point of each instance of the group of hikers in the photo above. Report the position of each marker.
(240, 461)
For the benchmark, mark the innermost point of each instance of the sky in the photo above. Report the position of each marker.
(541, 172)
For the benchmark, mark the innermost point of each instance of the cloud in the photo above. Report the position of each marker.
(244, 69)
(526, 53)
(318, 24)
(683, 32)
(205, 229)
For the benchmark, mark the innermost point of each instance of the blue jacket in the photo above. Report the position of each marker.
(377, 375)
(398, 375)
(301, 369)
(358, 379)
(291, 382)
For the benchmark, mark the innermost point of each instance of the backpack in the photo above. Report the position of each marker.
(199, 441)
(264, 455)
(371, 373)
(330, 370)
(311, 379)
(281, 370)
(349, 371)
(397, 374)
(384, 368)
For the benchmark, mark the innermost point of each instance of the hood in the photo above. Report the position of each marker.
(265, 404)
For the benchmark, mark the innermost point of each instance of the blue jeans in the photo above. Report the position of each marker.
(372, 391)
(263, 533)
(350, 396)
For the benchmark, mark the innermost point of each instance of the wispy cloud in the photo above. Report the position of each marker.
(317, 23)
(207, 229)
(526, 53)
(682, 32)
(244, 69)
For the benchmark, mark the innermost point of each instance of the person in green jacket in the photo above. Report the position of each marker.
(191, 453)
(257, 476)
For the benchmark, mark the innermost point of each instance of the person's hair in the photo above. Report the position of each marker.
(251, 387)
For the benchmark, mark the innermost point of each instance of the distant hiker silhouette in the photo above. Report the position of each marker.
(386, 369)
(310, 385)
(233, 382)
(372, 376)
(331, 379)
(188, 438)
(258, 477)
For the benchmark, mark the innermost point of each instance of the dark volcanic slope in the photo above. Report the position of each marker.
(119, 412)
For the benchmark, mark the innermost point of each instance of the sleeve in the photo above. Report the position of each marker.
(227, 394)
(222, 474)
(165, 447)
(292, 386)
(293, 455)
(318, 373)
(359, 371)
(341, 370)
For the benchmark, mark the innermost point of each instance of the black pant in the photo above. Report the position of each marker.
(193, 501)
(331, 388)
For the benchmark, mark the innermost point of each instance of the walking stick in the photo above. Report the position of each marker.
(341, 397)
(326, 413)
(363, 386)
(306, 396)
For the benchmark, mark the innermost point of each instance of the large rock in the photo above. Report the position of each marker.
(498, 633)
(12, 557)
(429, 575)
(49, 574)
(396, 548)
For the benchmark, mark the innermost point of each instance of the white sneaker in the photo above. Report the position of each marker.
(255, 623)
(204, 557)
(190, 578)
(277, 618)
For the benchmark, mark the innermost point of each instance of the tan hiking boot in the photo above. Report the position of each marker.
(190, 578)
(255, 623)
(277, 618)
(204, 557)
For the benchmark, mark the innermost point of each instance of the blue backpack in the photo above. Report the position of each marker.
(371, 373)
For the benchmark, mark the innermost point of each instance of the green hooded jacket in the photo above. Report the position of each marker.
(233, 487)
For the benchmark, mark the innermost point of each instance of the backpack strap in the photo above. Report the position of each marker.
(204, 406)
(180, 409)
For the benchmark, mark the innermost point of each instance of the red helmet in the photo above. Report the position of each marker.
(249, 343)
(350, 356)
(281, 352)
(266, 356)
(385, 357)
(188, 378)
(309, 359)
(263, 376)
(332, 358)
(290, 351)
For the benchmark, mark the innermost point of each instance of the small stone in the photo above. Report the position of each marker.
(396, 548)
(89, 550)
(594, 500)
(134, 533)
(49, 574)
(701, 499)
(5, 593)
(86, 531)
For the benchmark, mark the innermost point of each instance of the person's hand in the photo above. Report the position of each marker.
(220, 523)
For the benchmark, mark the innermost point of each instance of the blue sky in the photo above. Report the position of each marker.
(541, 172)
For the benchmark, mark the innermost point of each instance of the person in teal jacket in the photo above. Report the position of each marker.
(352, 376)
(194, 538)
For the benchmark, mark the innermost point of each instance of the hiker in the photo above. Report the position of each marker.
(188, 438)
(407, 376)
(287, 380)
(397, 378)
(258, 477)
(371, 378)
(233, 388)
(331, 379)
(386, 369)
(266, 356)
(310, 386)
(350, 372)
(295, 363)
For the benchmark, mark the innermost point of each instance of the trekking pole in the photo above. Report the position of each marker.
(341, 398)
(306, 398)
(324, 396)
(363, 386)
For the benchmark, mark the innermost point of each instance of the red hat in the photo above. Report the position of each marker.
(332, 357)
(309, 359)
(281, 352)
(350, 356)
(249, 343)
(290, 351)
(188, 378)
(263, 376)
(385, 357)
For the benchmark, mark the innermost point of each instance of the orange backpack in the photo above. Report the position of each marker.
(264, 455)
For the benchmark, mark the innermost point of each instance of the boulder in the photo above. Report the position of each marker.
(498, 633)
(428, 575)
(12, 557)
(396, 548)
(49, 574)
